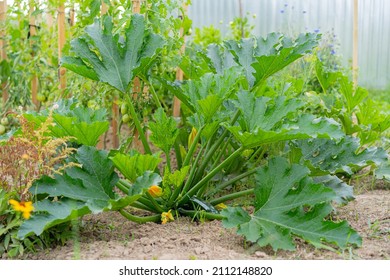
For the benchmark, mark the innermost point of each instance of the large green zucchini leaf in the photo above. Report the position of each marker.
(344, 156)
(265, 121)
(100, 55)
(79, 191)
(288, 203)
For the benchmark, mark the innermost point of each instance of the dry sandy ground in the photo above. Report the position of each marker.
(110, 236)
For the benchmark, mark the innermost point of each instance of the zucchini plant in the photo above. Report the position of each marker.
(225, 135)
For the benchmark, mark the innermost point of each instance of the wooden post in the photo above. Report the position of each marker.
(179, 73)
(136, 6)
(33, 32)
(103, 9)
(61, 43)
(3, 52)
(355, 62)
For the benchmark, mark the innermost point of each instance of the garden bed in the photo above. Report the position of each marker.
(111, 236)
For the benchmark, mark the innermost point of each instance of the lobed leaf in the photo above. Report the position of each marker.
(288, 203)
(260, 58)
(93, 183)
(383, 172)
(344, 156)
(176, 178)
(263, 113)
(84, 125)
(51, 213)
(265, 121)
(134, 165)
(343, 191)
(144, 182)
(99, 54)
(81, 190)
(164, 130)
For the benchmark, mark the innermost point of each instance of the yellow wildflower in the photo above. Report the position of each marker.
(24, 206)
(155, 191)
(166, 217)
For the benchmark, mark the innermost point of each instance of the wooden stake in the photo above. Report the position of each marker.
(136, 4)
(179, 73)
(355, 62)
(33, 32)
(61, 43)
(3, 53)
(104, 8)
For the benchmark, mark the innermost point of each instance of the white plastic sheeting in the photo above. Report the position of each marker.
(331, 17)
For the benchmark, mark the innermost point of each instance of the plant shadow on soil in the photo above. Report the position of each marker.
(111, 236)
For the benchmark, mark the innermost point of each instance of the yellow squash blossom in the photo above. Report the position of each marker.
(155, 191)
(24, 206)
(166, 217)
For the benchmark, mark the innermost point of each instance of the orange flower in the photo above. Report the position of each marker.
(24, 206)
(166, 217)
(155, 191)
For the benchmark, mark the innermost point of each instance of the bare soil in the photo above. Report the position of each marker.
(111, 236)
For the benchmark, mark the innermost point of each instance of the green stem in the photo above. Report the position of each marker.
(192, 173)
(201, 214)
(138, 126)
(154, 203)
(168, 157)
(180, 191)
(214, 148)
(209, 176)
(362, 175)
(142, 206)
(258, 150)
(122, 187)
(142, 202)
(221, 151)
(154, 94)
(149, 204)
(232, 181)
(260, 158)
(125, 183)
(179, 159)
(231, 196)
(140, 220)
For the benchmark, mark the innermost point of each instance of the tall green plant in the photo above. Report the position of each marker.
(223, 137)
